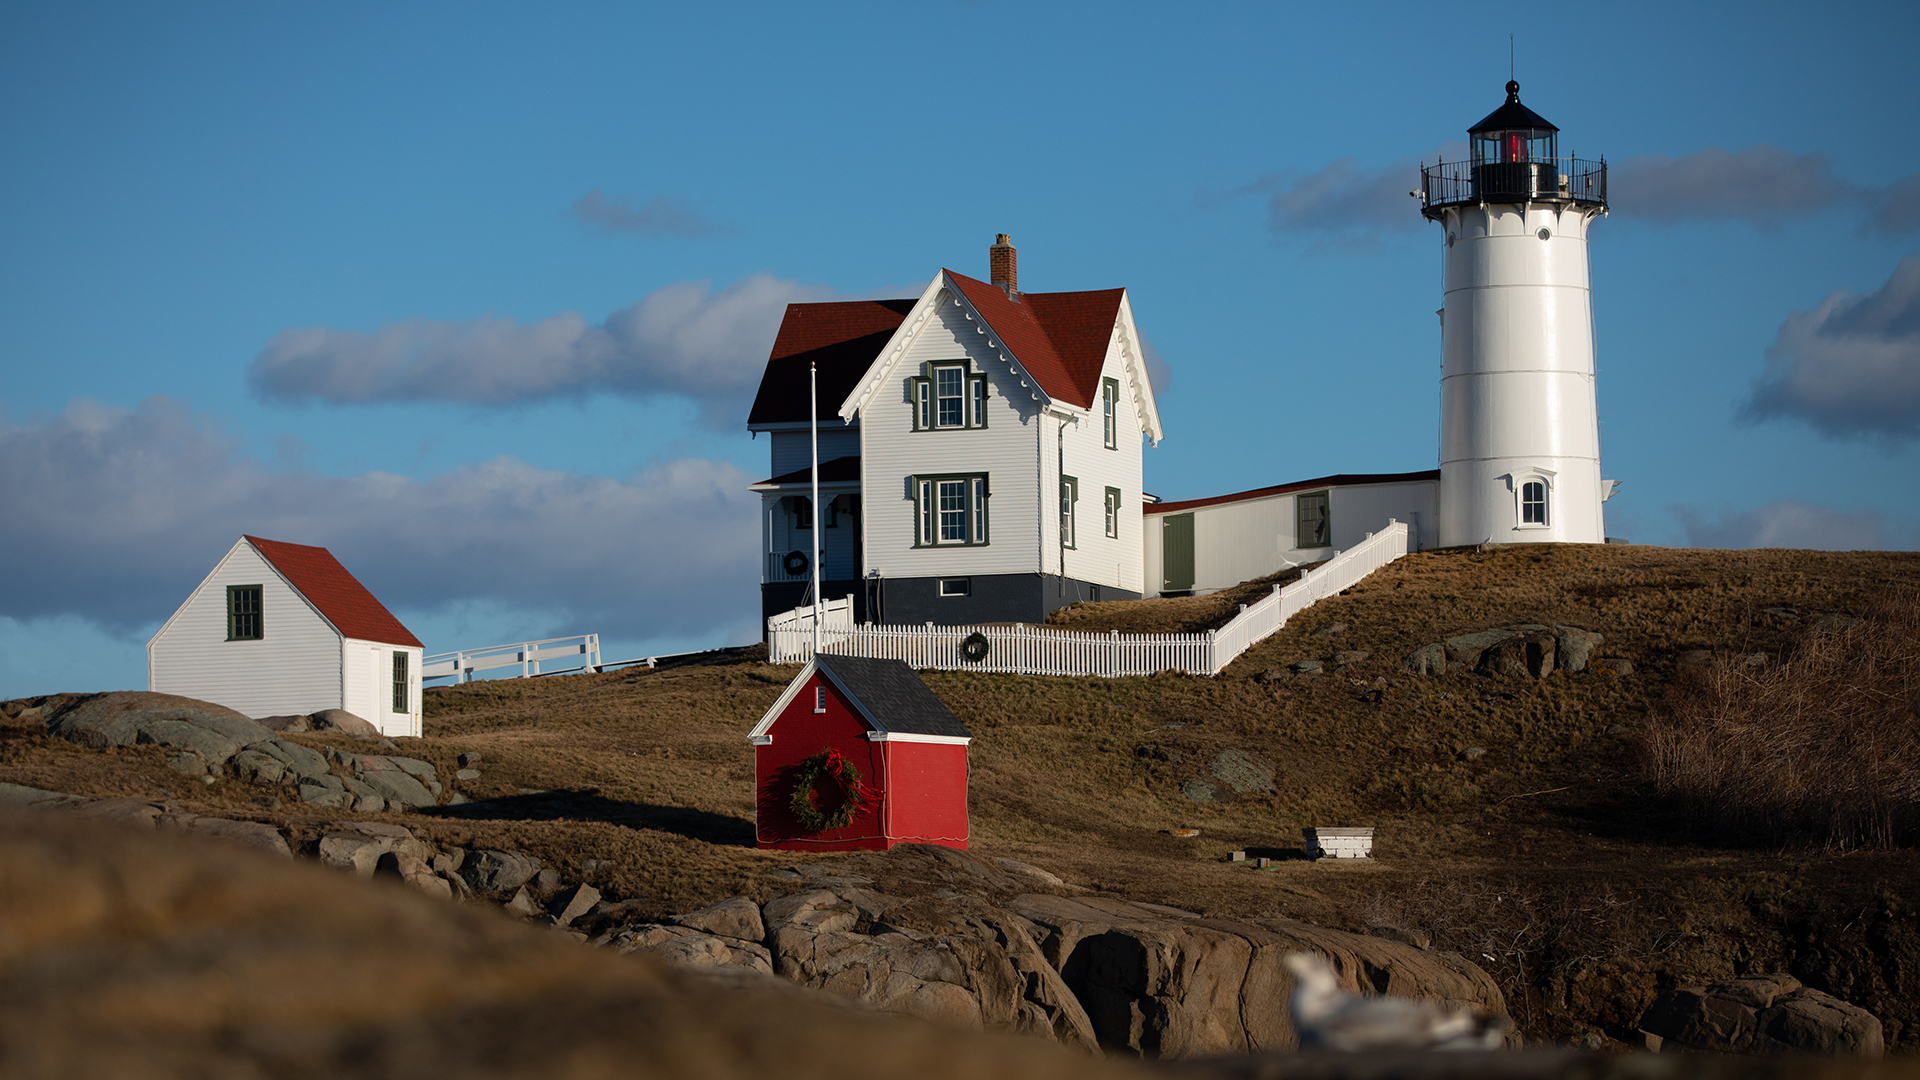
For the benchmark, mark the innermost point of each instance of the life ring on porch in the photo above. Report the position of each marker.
(974, 647)
(795, 563)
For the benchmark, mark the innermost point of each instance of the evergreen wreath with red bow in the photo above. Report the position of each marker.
(807, 776)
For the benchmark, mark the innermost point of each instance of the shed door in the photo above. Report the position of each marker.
(1176, 552)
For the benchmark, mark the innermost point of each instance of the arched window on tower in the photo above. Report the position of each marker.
(1533, 502)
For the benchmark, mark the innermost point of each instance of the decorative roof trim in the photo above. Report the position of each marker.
(916, 321)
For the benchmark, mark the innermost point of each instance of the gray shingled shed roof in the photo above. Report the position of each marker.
(894, 695)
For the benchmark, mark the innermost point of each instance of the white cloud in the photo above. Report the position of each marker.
(119, 513)
(1786, 523)
(662, 214)
(1850, 367)
(1347, 204)
(683, 339)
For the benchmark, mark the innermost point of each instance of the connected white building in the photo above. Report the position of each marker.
(279, 629)
(986, 462)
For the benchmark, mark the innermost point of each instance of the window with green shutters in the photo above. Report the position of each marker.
(400, 688)
(949, 397)
(1069, 494)
(1110, 411)
(949, 510)
(243, 613)
(1113, 512)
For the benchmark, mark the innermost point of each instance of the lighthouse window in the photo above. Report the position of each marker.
(1533, 503)
(1313, 526)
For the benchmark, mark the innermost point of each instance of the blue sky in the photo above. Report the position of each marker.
(475, 295)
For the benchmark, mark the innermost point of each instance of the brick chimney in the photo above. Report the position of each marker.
(1005, 269)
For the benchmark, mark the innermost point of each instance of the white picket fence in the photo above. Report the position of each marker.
(1019, 649)
(582, 649)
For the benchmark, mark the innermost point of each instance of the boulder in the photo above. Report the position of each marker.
(687, 947)
(295, 724)
(573, 903)
(300, 761)
(252, 834)
(259, 767)
(1197, 791)
(127, 717)
(1612, 665)
(1762, 1015)
(1574, 646)
(398, 787)
(1426, 660)
(21, 797)
(1521, 656)
(735, 917)
(412, 872)
(1165, 987)
(342, 721)
(498, 871)
(1466, 648)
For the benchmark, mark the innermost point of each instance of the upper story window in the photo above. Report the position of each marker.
(1533, 502)
(1113, 512)
(949, 510)
(243, 613)
(949, 397)
(1110, 412)
(1313, 523)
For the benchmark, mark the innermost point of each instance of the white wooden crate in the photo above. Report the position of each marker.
(1325, 843)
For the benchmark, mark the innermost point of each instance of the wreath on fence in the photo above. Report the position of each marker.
(795, 562)
(974, 647)
(807, 777)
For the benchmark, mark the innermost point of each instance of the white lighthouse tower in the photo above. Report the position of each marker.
(1519, 428)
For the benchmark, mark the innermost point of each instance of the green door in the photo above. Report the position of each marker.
(1176, 552)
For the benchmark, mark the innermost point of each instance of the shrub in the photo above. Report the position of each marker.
(1821, 748)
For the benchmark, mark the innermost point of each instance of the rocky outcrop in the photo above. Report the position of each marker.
(153, 814)
(1761, 1015)
(1526, 650)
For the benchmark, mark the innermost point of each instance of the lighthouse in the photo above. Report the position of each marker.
(1519, 426)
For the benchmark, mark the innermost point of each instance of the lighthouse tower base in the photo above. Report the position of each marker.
(1485, 502)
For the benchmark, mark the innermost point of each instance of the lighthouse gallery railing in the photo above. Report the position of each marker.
(1545, 180)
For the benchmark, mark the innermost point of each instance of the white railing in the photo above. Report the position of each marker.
(460, 664)
(1019, 649)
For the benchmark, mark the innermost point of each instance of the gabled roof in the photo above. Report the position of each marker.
(337, 595)
(1337, 480)
(1060, 338)
(892, 695)
(889, 697)
(840, 338)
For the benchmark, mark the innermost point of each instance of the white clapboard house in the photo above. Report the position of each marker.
(980, 451)
(279, 629)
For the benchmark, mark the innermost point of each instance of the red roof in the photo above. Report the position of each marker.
(1337, 480)
(1060, 338)
(339, 595)
(841, 339)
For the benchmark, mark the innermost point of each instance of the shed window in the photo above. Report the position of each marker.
(1314, 528)
(1533, 503)
(819, 699)
(400, 687)
(243, 613)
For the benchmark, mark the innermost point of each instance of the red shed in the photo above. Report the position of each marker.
(865, 741)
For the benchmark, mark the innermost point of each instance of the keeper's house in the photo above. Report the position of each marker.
(980, 451)
(907, 748)
(278, 629)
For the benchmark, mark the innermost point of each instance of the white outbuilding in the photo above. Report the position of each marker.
(279, 629)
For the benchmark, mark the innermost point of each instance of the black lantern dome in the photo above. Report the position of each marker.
(1514, 156)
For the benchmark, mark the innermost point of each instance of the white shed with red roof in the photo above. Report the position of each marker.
(279, 629)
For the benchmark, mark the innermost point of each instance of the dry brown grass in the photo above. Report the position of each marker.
(650, 774)
(1172, 615)
(1821, 747)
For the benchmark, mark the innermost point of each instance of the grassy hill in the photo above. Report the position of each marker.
(1550, 858)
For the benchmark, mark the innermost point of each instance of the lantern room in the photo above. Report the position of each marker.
(1514, 157)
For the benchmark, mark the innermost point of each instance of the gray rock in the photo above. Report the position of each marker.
(295, 724)
(1306, 667)
(1426, 660)
(325, 791)
(355, 851)
(187, 763)
(258, 767)
(735, 917)
(548, 879)
(213, 746)
(119, 718)
(1197, 791)
(252, 834)
(1350, 656)
(467, 774)
(521, 904)
(690, 948)
(1762, 1015)
(300, 761)
(412, 873)
(21, 797)
(447, 862)
(1574, 646)
(497, 871)
(414, 767)
(1472, 753)
(398, 787)
(343, 721)
(1612, 665)
(572, 903)
(1466, 648)
(471, 758)
(1241, 773)
(1523, 656)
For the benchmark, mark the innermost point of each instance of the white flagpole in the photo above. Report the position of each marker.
(813, 421)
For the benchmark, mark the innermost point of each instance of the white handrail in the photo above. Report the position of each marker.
(1020, 649)
(460, 664)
